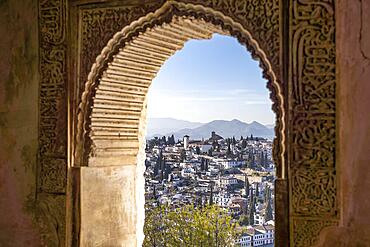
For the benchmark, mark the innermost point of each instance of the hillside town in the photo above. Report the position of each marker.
(237, 174)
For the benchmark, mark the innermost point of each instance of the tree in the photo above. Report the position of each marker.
(268, 210)
(252, 208)
(211, 196)
(244, 143)
(183, 155)
(228, 149)
(262, 161)
(164, 140)
(266, 160)
(167, 171)
(246, 186)
(206, 166)
(188, 226)
(202, 164)
(158, 164)
(171, 140)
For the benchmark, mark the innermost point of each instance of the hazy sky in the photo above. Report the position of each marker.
(209, 80)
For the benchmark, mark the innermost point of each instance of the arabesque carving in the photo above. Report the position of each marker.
(52, 162)
(313, 125)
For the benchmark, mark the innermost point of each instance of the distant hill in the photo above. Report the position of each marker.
(224, 128)
(163, 126)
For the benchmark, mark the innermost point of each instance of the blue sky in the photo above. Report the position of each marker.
(209, 80)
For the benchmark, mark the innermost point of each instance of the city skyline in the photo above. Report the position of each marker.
(211, 80)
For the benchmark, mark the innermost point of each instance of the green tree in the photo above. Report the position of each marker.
(268, 210)
(246, 186)
(188, 226)
(252, 209)
(164, 142)
(228, 153)
(183, 155)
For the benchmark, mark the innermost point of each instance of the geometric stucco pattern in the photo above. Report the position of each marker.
(312, 84)
(52, 162)
(313, 181)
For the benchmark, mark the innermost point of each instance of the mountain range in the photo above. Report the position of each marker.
(179, 128)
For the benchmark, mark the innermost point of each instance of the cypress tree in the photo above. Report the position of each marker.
(268, 210)
(266, 160)
(246, 184)
(228, 150)
(252, 208)
(211, 196)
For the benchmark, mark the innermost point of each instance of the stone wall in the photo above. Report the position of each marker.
(353, 49)
(18, 122)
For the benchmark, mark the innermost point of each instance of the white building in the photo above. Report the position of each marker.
(260, 236)
(205, 148)
(245, 240)
(229, 163)
(268, 235)
(187, 172)
(225, 181)
(222, 199)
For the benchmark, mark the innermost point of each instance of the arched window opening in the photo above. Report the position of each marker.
(112, 120)
(209, 170)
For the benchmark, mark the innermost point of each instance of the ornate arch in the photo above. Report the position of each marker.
(297, 37)
(164, 15)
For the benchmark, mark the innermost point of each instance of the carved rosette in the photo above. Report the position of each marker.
(313, 182)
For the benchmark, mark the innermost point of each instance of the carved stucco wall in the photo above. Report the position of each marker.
(308, 49)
